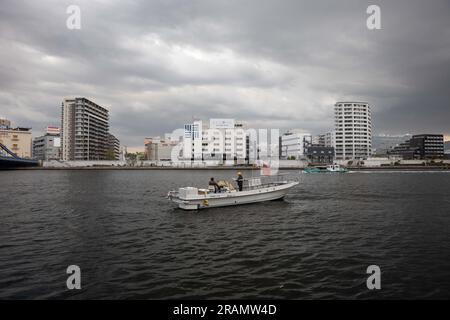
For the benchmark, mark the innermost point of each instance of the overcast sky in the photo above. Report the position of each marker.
(283, 64)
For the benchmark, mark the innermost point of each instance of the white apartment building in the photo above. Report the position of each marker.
(294, 143)
(221, 140)
(330, 139)
(353, 130)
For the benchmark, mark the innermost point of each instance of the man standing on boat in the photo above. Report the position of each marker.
(240, 181)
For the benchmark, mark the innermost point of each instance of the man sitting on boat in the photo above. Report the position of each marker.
(216, 186)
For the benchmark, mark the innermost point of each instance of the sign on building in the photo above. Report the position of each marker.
(221, 123)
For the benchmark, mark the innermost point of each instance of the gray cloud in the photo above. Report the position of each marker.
(157, 64)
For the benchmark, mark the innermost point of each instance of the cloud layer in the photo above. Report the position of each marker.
(158, 64)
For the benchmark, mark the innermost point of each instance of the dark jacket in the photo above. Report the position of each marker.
(240, 181)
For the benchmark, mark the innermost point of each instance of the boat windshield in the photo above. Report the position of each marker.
(248, 184)
(263, 181)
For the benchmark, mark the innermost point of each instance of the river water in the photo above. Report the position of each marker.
(131, 243)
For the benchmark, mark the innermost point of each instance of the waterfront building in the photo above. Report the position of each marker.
(48, 146)
(84, 130)
(113, 152)
(221, 140)
(353, 129)
(192, 140)
(18, 140)
(225, 139)
(383, 143)
(428, 146)
(403, 150)
(159, 149)
(319, 154)
(294, 144)
(422, 146)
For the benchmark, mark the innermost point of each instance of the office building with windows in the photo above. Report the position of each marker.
(48, 146)
(421, 146)
(220, 140)
(294, 143)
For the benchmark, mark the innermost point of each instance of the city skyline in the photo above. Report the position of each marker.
(142, 148)
(156, 65)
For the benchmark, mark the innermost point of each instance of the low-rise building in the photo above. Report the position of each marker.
(423, 147)
(320, 154)
(18, 140)
(429, 146)
(158, 149)
(382, 143)
(327, 139)
(48, 146)
(294, 144)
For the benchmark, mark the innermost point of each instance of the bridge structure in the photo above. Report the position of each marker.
(10, 160)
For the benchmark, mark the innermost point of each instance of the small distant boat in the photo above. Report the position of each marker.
(255, 190)
(334, 168)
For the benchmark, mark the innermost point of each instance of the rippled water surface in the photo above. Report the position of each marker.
(131, 243)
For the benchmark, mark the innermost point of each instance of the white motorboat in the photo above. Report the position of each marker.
(336, 168)
(255, 190)
(330, 168)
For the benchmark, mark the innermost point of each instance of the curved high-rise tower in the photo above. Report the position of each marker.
(353, 126)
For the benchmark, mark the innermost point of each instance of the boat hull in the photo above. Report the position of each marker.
(235, 198)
